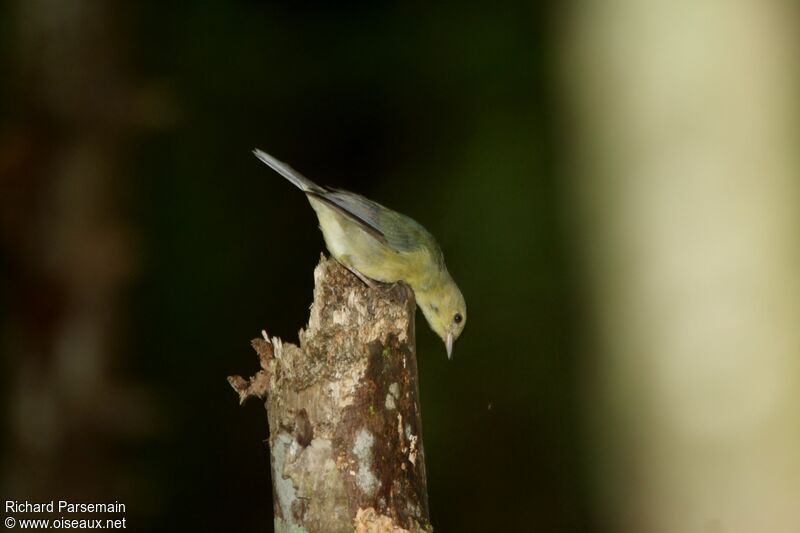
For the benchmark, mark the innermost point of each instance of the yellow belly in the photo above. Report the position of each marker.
(356, 248)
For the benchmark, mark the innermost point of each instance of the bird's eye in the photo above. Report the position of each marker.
(458, 318)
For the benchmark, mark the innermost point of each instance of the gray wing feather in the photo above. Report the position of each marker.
(299, 181)
(356, 208)
(397, 231)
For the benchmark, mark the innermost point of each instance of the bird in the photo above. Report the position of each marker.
(377, 243)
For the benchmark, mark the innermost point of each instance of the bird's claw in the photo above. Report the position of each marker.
(371, 283)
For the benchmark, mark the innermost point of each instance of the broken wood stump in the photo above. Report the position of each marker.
(344, 413)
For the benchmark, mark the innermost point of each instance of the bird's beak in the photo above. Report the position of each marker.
(449, 344)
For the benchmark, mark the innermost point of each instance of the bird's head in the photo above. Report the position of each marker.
(445, 310)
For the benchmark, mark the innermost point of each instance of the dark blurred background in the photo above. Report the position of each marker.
(144, 246)
(614, 186)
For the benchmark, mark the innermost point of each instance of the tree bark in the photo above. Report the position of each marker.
(343, 408)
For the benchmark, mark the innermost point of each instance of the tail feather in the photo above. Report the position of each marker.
(299, 181)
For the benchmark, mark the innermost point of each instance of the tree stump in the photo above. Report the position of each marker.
(343, 408)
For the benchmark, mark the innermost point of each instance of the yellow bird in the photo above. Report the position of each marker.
(376, 243)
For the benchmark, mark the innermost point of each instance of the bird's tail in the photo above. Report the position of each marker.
(299, 181)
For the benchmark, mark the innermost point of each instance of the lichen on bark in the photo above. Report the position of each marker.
(343, 407)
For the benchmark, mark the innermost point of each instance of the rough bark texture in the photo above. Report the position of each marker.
(343, 409)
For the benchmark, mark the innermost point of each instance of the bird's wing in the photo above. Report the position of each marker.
(357, 208)
(393, 229)
(397, 231)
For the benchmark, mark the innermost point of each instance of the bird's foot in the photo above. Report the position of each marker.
(371, 283)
